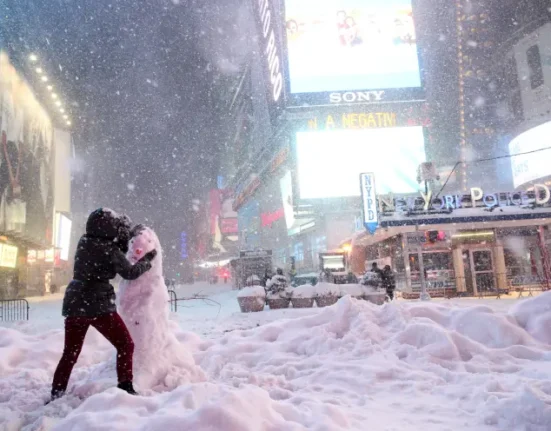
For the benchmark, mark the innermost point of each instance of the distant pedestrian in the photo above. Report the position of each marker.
(389, 282)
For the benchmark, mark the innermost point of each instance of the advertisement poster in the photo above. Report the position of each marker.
(532, 55)
(350, 45)
(286, 186)
(8, 256)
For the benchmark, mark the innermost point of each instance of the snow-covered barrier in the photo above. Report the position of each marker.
(322, 294)
(251, 299)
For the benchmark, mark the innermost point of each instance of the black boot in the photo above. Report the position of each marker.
(127, 387)
(56, 393)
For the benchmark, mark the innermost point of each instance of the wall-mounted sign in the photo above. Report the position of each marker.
(248, 191)
(229, 226)
(63, 235)
(255, 253)
(279, 159)
(369, 200)
(540, 196)
(183, 246)
(31, 257)
(49, 255)
(354, 120)
(8, 256)
(267, 20)
(269, 218)
(356, 96)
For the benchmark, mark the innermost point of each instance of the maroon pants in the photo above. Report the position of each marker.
(111, 327)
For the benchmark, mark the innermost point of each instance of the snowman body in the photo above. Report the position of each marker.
(144, 307)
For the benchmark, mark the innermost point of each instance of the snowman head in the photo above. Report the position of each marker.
(142, 241)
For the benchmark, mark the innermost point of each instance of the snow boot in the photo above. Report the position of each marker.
(127, 387)
(55, 394)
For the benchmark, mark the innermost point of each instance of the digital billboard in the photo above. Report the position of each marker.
(534, 69)
(336, 46)
(329, 163)
(63, 235)
(535, 165)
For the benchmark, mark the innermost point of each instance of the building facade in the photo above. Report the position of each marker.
(35, 220)
(442, 123)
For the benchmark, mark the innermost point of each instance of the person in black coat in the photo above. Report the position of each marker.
(90, 298)
(388, 281)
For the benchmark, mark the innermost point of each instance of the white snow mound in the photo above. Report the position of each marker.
(534, 315)
(351, 366)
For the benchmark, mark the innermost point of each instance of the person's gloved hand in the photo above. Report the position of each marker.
(123, 232)
(149, 256)
(122, 240)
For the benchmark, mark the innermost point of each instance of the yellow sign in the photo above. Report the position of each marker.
(8, 256)
(354, 120)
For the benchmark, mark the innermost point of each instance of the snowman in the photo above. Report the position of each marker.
(160, 360)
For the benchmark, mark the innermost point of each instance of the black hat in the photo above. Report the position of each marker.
(103, 223)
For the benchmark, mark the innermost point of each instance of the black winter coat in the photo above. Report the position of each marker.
(388, 281)
(98, 259)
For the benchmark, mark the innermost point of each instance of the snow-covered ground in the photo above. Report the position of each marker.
(446, 365)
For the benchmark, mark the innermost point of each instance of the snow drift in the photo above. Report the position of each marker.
(431, 366)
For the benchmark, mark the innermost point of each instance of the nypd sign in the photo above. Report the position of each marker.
(369, 201)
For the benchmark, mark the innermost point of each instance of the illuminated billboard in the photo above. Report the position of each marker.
(534, 164)
(26, 159)
(63, 236)
(341, 46)
(329, 163)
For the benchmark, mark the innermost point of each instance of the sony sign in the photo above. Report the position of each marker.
(357, 96)
(270, 49)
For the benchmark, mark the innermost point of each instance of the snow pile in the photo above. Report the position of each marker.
(328, 289)
(534, 315)
(253, 291)
(305, 291)
(352, 366)
(354, 290)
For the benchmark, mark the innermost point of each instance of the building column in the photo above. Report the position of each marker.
(459, 269)
(500, 269)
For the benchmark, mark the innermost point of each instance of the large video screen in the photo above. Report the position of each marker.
(532, 162)
(330, 162)
(342, 45)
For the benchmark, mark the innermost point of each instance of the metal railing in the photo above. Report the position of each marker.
(12, 310)
(173, 301)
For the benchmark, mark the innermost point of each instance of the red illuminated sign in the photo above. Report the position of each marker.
(228, 226)
(268, 219)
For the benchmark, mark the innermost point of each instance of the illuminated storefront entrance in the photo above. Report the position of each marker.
(486, 243)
